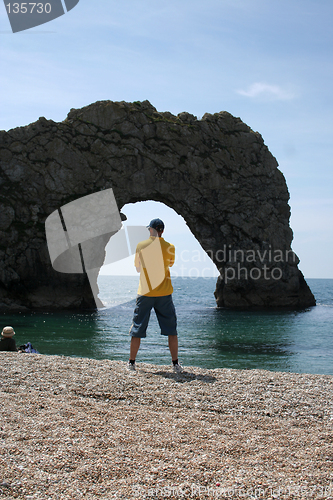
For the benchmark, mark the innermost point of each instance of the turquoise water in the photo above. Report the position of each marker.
(299, 342)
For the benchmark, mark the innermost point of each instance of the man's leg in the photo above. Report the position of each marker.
(167, 319)
(173, 346)
(135, 344)
(139, 326)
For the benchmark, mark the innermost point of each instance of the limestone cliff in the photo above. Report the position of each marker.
(216, 172)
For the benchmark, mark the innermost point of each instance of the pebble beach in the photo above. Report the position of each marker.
(78, 428)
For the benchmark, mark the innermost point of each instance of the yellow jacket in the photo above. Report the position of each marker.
(153, 257)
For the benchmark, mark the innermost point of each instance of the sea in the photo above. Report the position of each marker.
(288, 341)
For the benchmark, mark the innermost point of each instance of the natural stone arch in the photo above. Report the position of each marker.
(215, 172)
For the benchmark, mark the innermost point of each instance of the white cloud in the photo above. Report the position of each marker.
(260, 89)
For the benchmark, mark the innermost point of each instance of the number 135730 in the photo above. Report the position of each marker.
(28, 8)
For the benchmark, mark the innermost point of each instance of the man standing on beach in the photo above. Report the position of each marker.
(153, 258)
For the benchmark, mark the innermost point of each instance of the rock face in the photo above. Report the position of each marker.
(216, 172)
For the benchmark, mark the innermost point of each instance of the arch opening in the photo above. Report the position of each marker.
(191, 260)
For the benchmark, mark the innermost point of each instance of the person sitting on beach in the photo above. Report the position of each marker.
(7, 342)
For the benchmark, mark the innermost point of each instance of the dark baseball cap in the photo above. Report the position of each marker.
(156, 224)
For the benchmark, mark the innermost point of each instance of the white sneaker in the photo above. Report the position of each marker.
(177, 368)
(131, 367)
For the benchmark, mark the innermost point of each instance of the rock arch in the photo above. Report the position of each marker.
(216, 172)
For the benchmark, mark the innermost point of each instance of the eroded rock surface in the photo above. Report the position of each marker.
(216, 172)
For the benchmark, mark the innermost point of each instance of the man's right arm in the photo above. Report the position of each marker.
(172, 255)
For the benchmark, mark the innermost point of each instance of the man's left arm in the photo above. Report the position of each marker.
(137, 262)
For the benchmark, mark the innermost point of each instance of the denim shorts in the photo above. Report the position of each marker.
(165, 312)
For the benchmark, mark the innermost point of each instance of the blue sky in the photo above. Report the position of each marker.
(267, 61)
